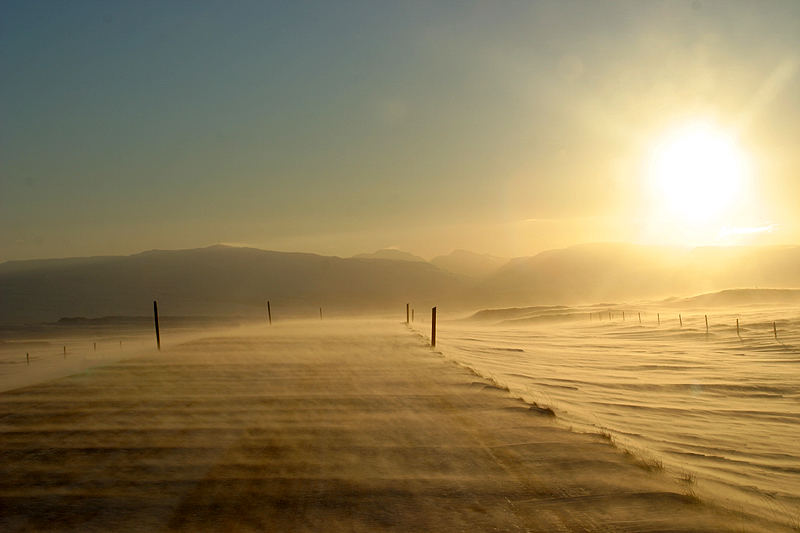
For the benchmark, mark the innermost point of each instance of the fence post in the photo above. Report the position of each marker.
(680, 319)
(737, 328)
(320, 313)
(659, 318)
(408, 314)
(706, 323)
(640, 317)
(412, 314)
(155, 319)
(775, 330)
(269, 314)
(433, 328)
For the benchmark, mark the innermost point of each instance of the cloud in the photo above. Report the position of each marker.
(728, 232)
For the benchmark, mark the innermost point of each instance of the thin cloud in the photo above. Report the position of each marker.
(727, 232)
(561, 219)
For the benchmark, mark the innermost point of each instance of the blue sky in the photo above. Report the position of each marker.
(340, 127)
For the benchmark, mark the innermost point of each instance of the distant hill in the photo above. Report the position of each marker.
(511, 314)
(214, 281)
(392, 255)
(729, 298)
(469, 264)
(745, 297)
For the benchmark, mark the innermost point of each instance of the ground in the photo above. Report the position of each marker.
(325, 426)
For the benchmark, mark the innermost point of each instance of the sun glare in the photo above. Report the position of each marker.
(697, 173)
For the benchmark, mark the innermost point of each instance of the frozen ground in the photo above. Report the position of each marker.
(317, 426)
(719, 409)
(35, 353)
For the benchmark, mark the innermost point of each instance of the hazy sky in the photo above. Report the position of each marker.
(342, 127)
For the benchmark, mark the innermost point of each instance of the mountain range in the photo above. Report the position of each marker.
(223, 280)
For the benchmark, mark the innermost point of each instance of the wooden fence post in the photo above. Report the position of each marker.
(155, 319)
(269, 313)
(680, 319)
(775, 330)
(408, 314)
(433, 327)
(706, 323)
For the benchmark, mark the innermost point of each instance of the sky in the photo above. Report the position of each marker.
(344, 127)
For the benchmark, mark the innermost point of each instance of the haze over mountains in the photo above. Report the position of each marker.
(222, 280)
(613, 272)
(469, 264)
(460, 262)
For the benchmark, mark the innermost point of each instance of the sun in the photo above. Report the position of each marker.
(697, 174)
